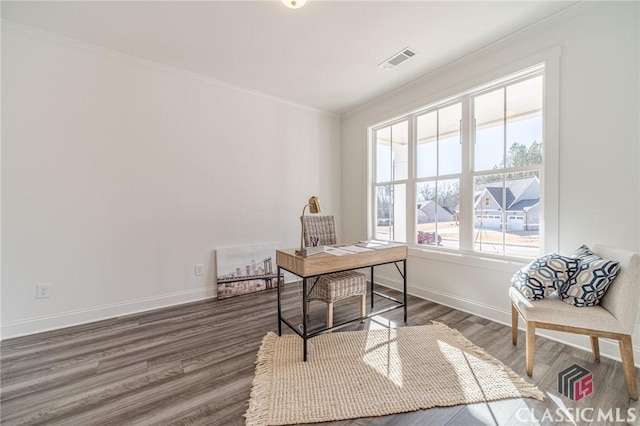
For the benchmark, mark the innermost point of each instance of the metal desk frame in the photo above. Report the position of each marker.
(356, 261)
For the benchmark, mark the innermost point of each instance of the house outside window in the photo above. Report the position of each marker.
(465, 174)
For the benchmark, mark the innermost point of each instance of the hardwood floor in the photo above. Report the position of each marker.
(193, 365)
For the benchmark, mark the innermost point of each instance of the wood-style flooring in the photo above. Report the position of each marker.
(193, 365)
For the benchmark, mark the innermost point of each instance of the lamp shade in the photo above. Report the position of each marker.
(294, 4)
(314, 205)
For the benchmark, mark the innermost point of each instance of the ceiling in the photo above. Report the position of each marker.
(324, 56)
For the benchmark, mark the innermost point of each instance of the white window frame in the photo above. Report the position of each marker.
(547, 63)
(391, 182)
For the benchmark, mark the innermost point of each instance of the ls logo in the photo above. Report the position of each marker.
(575, 382)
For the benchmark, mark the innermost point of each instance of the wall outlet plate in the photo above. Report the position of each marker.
(43, 291)
(199, 269)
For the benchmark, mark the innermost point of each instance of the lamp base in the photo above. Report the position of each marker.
(310, 251)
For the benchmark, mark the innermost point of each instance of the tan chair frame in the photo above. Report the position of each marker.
(624, 341)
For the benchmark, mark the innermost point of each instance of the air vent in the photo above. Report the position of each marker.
(397, 59)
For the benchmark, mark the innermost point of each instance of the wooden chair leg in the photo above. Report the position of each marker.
(514, 324)
(595, 347)
(363, 306)
(530, 346)
(329, 315)
(626, 353)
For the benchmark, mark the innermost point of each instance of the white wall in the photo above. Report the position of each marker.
(599, 147)
(119, 175)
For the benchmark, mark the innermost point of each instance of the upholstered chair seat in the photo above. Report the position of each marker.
(553, 310)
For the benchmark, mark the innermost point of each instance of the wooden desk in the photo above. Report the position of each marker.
(314, 266)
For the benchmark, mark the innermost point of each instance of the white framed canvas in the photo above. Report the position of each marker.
(242, 270)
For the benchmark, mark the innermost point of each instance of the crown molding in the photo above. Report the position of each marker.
(80, 45)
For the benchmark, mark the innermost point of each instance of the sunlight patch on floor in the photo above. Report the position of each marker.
(381, 354)
(470, 368)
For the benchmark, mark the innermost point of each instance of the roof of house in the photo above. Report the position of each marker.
(523, 205)
(514, 188)
(496, 193)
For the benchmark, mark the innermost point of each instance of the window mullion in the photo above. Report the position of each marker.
(504, 175)
(437, 167)
(465, 219)
(411, 181)
(392, 205)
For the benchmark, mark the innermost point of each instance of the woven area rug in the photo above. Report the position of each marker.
(373, 373)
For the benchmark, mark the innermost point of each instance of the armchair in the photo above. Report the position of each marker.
(614, 318)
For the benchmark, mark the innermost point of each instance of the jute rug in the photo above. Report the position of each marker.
(373, 373)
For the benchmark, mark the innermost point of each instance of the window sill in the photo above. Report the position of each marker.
(502, 264)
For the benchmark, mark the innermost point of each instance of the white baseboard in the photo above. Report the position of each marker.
(98, 313)
(608, 348)
(83, 316)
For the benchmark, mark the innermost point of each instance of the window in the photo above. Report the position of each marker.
(465, 174)
(506, 169)
(392, 172)
(438, 174)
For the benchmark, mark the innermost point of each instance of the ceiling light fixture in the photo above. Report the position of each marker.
(294, 4)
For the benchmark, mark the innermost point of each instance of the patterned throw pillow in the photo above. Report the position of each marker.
(590, 283)
(545, 275)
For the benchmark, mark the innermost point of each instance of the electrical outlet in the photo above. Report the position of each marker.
(199, 269)
(43, 291)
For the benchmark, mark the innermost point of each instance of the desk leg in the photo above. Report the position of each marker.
(279, 304)
(372, 287)
(405, 289)
(304, 319)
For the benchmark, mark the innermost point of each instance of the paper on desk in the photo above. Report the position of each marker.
(355, 249)
(336, 251)
(378, 244)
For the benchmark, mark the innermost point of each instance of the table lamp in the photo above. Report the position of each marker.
(314, 207)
